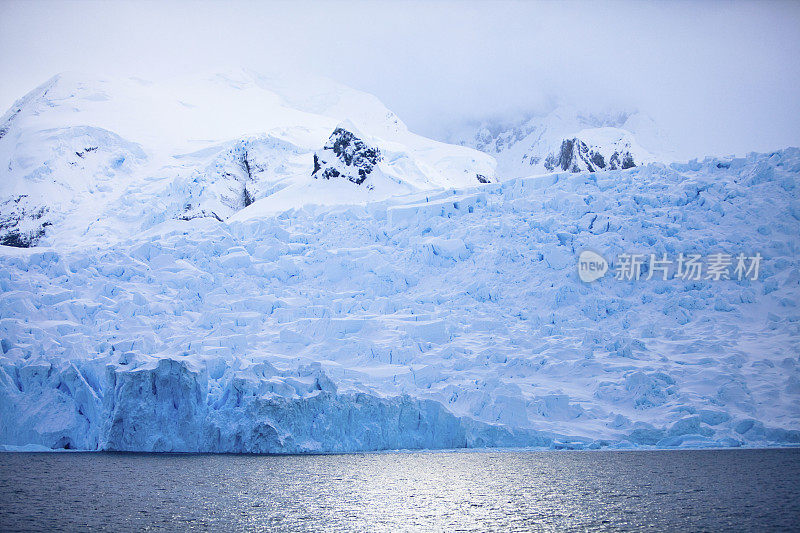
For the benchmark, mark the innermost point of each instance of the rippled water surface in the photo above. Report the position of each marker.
(601, 490)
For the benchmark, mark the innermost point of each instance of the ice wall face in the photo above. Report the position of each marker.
(168, 409)
(441, 319)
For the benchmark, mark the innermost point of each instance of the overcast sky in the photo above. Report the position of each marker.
(718, 77)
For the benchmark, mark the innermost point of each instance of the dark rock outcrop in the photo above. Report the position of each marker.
(576, 156)
(345, 156)
(22, 223)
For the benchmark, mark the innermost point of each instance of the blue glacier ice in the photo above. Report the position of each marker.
(446, 318)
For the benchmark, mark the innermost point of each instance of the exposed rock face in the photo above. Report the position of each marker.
(345, 156)
(576, 156)
(22, 223)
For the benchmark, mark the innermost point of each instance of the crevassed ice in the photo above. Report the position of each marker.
(441, 320)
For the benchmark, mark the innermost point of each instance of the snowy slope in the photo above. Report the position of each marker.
(445, 318)
(567, 139)
(86, 160)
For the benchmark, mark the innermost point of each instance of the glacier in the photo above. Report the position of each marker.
(255, 264)
(445, 318)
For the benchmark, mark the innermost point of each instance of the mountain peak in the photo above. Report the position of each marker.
(534, 145)
(84, 157)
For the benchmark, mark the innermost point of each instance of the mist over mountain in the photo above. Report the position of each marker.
(718, 79)
(567, 139)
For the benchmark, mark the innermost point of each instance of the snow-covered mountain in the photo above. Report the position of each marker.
(86, 159)
(255, 264)
(566, 139)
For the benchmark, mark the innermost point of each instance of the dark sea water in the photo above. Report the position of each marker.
(711, 490)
